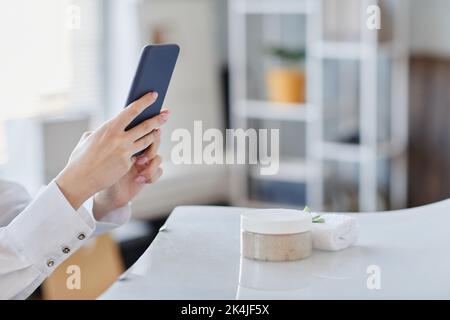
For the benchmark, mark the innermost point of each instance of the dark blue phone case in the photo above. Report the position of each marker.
(153, 73)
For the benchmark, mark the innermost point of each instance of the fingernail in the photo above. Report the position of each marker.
(155, 95)
(164, 116)
(157, 131)
(142, 160)
(140, 179)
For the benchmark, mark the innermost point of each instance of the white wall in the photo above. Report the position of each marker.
(430, 27)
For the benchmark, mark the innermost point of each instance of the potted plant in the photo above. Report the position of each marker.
(286, 81)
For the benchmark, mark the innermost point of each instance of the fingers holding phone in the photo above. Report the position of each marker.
(102, 157)
(146, 127)
(104, 160)
(134, 109)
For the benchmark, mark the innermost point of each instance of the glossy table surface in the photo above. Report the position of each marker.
(399, 254)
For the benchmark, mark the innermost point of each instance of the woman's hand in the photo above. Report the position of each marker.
(145, 170)
(102, 158)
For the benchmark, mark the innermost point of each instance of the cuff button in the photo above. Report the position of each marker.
(66, 250)
(81, 236)
(50, 263)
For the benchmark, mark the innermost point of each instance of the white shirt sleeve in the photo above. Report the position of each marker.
(42, 236)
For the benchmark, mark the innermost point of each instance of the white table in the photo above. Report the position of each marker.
(197, 257)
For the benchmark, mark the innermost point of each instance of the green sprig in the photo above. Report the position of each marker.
(316, 219)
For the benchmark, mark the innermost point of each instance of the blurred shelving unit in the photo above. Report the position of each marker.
(274, 111)
(355, 113)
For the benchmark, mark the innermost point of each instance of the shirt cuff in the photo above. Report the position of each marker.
(112, 220)
(49, 230)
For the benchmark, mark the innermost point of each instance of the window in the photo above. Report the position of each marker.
(50, 54)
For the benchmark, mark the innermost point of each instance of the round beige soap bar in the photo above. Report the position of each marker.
(276, 234)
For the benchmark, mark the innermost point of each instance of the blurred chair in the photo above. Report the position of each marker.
(100, 264)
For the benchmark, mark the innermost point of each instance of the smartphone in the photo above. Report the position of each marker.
(153, 73)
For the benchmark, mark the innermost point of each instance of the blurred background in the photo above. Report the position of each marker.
(363, 114)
